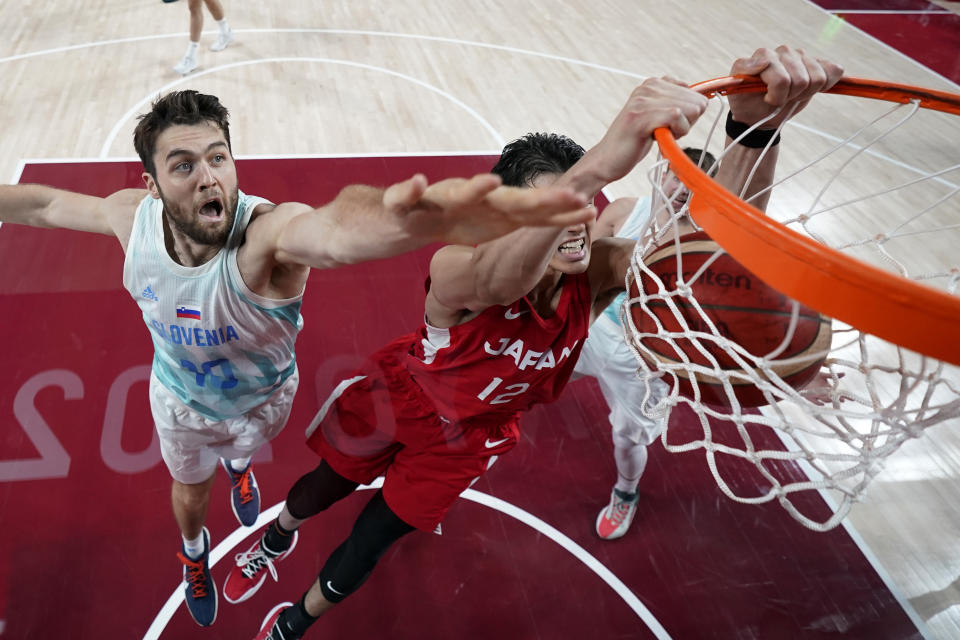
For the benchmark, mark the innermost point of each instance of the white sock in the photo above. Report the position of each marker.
(631, 460)
(239, 464)
(224, 27)
(192, 49)
(625, 485)
(193, 548)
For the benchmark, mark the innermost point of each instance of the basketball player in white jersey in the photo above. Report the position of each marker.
(606, 357)
(219, 276)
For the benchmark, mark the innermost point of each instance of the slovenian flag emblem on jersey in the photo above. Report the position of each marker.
(187, 312)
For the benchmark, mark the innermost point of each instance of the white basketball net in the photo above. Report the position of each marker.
(862, 193)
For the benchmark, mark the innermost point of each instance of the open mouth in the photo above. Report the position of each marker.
(212, 210)
(573, 249)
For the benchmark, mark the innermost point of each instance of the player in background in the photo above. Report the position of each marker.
(606, 356)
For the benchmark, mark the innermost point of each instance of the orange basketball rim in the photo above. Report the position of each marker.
(899, 310)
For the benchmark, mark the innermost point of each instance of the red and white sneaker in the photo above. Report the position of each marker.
(251, 569)
(269, 629)
(616, 517)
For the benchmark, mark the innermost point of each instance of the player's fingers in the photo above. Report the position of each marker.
(833, 72)
(536, 201)
(778, 82)
(797, 66)
(769, 67)
(755, 64)
(816, 74)
(683, 95)
(476, 188)
(404, 195)
(673, 105)
(678, 121)
(676, 81)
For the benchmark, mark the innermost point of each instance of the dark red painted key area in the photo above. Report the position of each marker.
(89, 541)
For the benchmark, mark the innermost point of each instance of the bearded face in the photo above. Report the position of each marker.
(197, 181)
(207, 220)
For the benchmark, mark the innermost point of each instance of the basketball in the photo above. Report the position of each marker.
(742, 308)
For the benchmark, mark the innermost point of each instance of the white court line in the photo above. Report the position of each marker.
(80, 159)
(374, 154)
(14, 180)
(473, 43)
(275, 156)
(111, 138)
(887, 46)
(549, 532)
(104, 150)
(18, 171)
(893, 11)
(875, 154)
(342, 32)
(858, 540)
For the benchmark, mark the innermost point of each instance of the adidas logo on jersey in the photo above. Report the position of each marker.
(149, 294)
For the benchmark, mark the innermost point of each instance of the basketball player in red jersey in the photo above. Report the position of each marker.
(504, 323)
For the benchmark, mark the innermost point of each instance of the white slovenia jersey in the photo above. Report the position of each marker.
(221, 348)
(631, 229)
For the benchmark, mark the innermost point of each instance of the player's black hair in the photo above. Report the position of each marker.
(535, 153)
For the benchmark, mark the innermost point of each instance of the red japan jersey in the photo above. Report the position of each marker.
(506, 359)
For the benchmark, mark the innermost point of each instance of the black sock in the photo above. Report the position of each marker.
(276, 539)
(295, 619)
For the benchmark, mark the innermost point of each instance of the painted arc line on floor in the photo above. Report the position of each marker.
(236, 538)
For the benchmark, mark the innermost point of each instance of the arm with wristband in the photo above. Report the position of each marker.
(792, 78)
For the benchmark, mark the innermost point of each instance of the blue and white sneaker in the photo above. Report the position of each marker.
(200, 593)
(245, 495)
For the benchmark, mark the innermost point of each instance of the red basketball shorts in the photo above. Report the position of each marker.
(377, 425)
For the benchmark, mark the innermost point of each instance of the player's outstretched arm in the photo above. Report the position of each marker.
(365, 223)
(506, 269)
(41, 206)
(792, 78)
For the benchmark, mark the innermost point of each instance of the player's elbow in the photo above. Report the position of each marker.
(304, 236)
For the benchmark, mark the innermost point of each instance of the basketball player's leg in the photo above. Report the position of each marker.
(215, 9)
(225, 33)
(422, 482)
(631, 430)
(346, 413)
(189, 61)
(346, 569)
(190, 503)
(245, 435)
(192, 463)
(311, 494)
